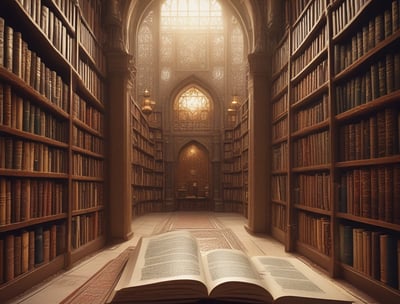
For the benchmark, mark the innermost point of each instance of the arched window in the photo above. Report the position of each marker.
(192, 110)
(178, 39)
(192, 15)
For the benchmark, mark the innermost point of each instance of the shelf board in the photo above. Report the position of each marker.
(33, 221)
(360, 62)
(368, 221)
(87, 248)
(323, 54)
(314, 255)
(369, 107)
(377, 161)
(324, 167)
(25, 173)
(323, 89)
(87, 210)
(372, 287)
(33, 137)
(313, 210)
(310, 35)
(311, 129)
(36, 276)
(41, 100)
(278, 202)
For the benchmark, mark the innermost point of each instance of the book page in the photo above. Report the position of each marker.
(289, 277)
(230, 275)
(173, 255)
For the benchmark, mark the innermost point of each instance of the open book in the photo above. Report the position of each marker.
(169, 268)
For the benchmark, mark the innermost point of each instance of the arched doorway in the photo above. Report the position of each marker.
(192, 178)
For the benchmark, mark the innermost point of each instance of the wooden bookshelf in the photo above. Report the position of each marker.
(280, 143)
(147, 174)
(235, 162)
(52, 98)
(341, 178)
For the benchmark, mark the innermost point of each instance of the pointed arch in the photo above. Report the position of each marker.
(193, 171)
(192, 109)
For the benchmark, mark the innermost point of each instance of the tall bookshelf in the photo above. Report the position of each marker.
(280, 128)
(51, 138)
(147, 161)
(235, 164)
(343, 173)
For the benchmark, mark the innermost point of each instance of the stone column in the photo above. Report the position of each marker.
(259, 144)
(120, 81)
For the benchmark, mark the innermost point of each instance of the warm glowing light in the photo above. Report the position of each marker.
(191, 14)
(193, 101)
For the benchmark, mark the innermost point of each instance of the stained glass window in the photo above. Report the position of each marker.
(192, 110)
(191, 15)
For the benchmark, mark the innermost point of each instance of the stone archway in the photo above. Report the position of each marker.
(192, 178)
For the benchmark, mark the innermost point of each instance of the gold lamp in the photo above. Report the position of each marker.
(147, 103)
(234, 104)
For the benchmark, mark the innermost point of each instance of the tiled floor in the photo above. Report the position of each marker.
(61, 285)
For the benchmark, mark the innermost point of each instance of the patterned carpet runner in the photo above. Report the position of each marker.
(209, 232)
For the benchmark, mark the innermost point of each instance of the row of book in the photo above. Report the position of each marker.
(280, 106)
(31, 156)
(281, 56)
(234, 194)
(16, 56)
(376, 254)
(297, 7)
(371, 192)
(312, 150)
(311, 82)
(345, 13)
(280, 157)
(313, 114)
(84, 165)
(382, 78)
(57, 33)
(140, 125)
(67, 8)
(235, 206)
(146, 194)
(279, 216)
(371, 137)
(233, 180)
(88, 114)
(315, 231)
(92, 47)
(25, 250)
(367, 37)
(143, 207)
(142, 177)
(52, 27)
(87, 141)
(280, 129)
(92, 80)
(279, 187)
(234, 166)
(87, 195)
(23, 114)
(92, 13)
(313, 190)
(86, 228)
(312, 51)
(143, 143)
(22, 199)
(307, 22)
(280, 82)
(142, 159)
